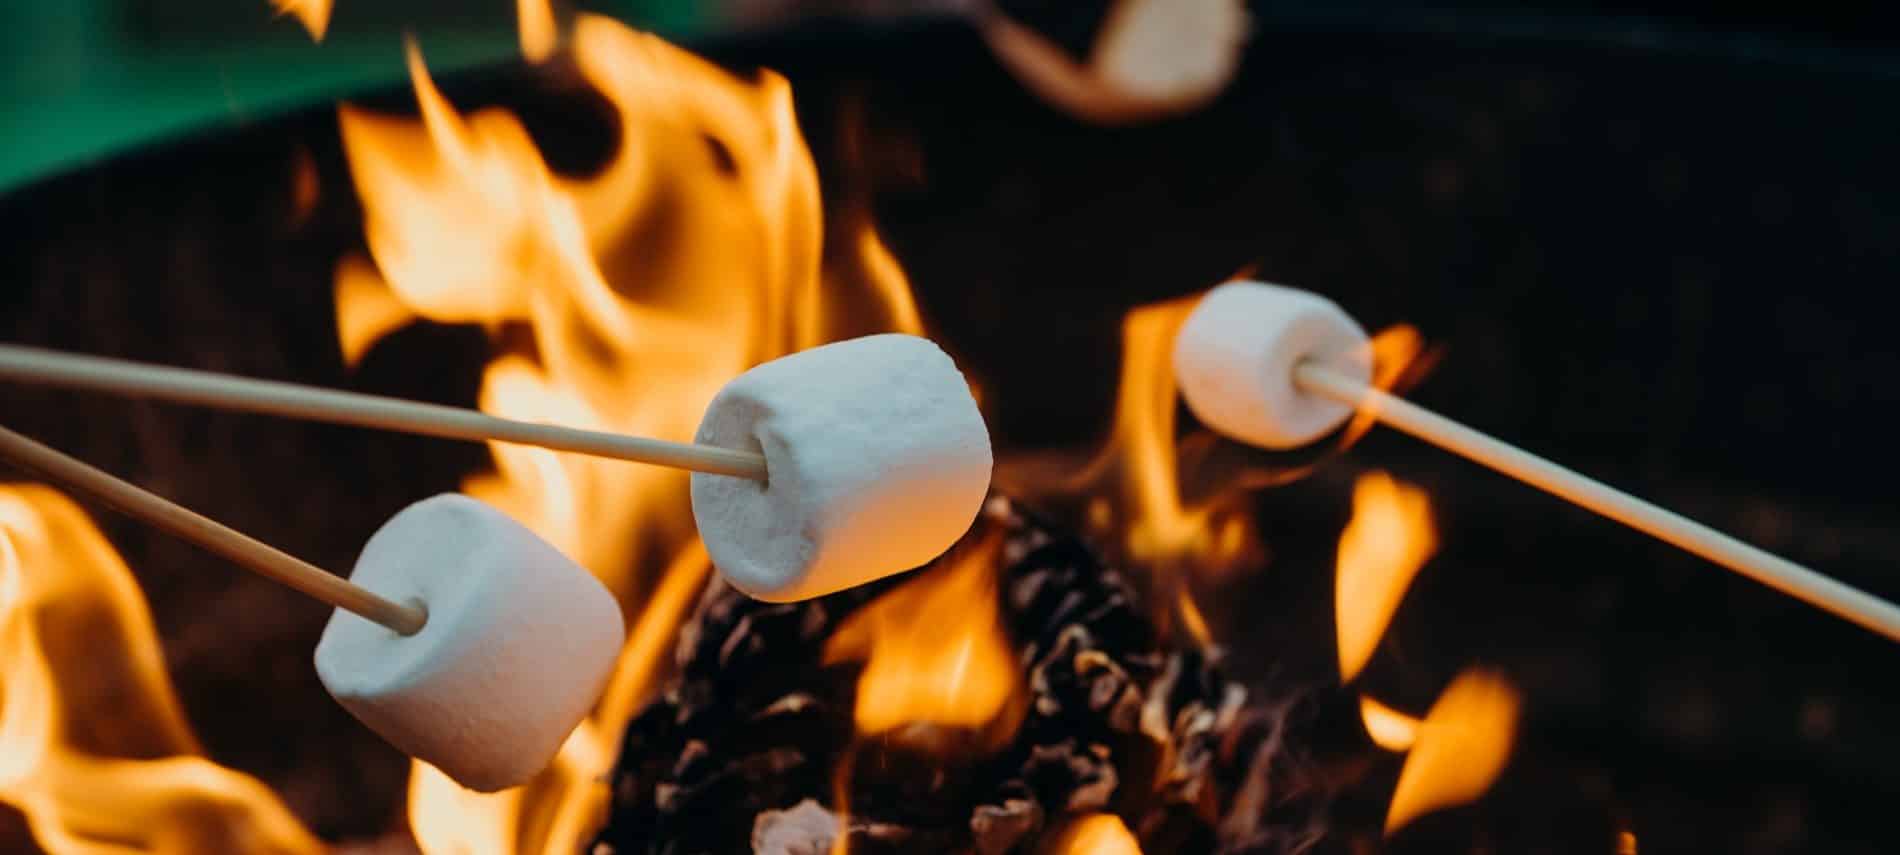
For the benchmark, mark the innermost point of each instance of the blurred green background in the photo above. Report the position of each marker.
(83, 79)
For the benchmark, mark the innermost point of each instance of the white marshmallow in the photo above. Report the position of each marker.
(1235, 355)
(518, 644)
(877, 461)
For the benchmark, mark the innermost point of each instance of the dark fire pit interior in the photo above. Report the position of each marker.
(1664, 265)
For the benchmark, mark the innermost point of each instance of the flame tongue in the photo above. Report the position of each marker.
(1390, 537)
(934, 650)
(94, 748)
(1462, 746)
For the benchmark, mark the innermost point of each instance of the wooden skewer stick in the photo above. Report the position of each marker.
(1767, 568)
(223, 391)
(248, 552)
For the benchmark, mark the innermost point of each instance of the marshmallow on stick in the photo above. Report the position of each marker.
(462, 638)
(1278, 367)
(877, 460)
(471, 644)
(518, 643)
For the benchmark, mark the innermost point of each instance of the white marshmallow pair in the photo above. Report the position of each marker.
(1235, 355)
(878, 461)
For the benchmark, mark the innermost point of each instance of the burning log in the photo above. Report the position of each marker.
(754, 745)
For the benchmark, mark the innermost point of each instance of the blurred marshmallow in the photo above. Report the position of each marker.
(1235, 354)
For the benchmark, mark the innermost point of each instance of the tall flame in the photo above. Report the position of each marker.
(94, 748)
(1389, 538)
(1461, 748)
(1133, 485)
(934, 650)
(1162, 528)
(692, 254)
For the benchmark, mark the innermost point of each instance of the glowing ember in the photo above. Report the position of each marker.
(934, 651)
(314, 14)
(94, 748)
(1389, 538)
(1096, 834)
(1390, 729)
(1462, 747)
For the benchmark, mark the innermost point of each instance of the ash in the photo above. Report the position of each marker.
(752, 747)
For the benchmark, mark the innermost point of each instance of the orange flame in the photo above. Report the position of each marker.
(94, 747)
(366, 310)
(1388, 540)
(934, 651)
(1147, 515)
(1156, 526)
(1462, 747)
(1390, 729)
(314, 14)
(1398, 359)
(467, 225)
(1162, 529)
(1095, 834)
(539, 35)
(642, 288)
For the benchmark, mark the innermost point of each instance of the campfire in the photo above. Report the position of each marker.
(1153, 639)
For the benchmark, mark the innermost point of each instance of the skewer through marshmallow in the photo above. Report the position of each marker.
(468, 642)
(1278, 367)
(519, 643)
(879, 461)
(292, 400)
(247, 552)
(462, 638)
(815, 472)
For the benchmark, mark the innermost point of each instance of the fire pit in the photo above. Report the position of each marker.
(1665, 265)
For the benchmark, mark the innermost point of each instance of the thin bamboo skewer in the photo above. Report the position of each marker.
(221, 391)
(1668, 526)
(246, 551)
